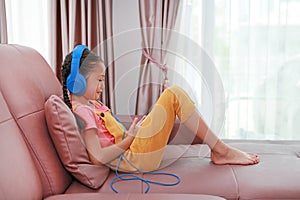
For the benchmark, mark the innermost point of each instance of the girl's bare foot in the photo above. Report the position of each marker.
(223, 154)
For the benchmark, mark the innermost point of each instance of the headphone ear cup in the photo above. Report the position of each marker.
(77, 86)
(76, 82)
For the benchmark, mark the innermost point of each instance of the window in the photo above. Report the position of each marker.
(255, 47)
(28, 24)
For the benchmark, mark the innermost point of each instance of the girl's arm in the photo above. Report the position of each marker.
(99, 155)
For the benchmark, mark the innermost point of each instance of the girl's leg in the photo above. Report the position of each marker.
(220, 152)
(148, 146)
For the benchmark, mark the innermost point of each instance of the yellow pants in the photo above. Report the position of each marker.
(146, 151)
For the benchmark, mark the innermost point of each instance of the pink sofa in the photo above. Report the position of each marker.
(32, 169)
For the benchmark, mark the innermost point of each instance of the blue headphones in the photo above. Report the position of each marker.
(76, 82)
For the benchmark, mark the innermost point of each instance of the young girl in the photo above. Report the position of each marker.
(143, 144)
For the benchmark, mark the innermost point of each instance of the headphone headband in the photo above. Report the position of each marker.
(76, 82)
(76, 56)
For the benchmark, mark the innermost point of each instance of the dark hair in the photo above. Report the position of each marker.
(87, 63)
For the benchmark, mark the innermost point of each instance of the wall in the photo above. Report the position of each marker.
(127, 43)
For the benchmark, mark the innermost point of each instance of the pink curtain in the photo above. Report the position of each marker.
(157, 18)
(3, 24)
(85, 22)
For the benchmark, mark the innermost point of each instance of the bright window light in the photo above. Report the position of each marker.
(28, 24)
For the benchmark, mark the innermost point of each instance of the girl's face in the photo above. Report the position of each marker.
(95, 82)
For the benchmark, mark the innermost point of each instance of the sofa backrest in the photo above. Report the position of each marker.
(30, 167)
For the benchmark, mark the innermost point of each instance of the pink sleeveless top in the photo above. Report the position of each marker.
(93, 120)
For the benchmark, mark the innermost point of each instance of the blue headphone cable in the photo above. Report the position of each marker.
(127, 177)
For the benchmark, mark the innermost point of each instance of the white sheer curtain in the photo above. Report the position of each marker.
(28, 23)
(255, 47)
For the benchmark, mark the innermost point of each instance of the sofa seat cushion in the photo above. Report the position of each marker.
(190, 163)
(277, 176)
(69, 144)
(133, 196)
(197, 173)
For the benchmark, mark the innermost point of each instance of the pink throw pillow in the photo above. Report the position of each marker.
(69, 144)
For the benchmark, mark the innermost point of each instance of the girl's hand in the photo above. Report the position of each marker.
(135, 126)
